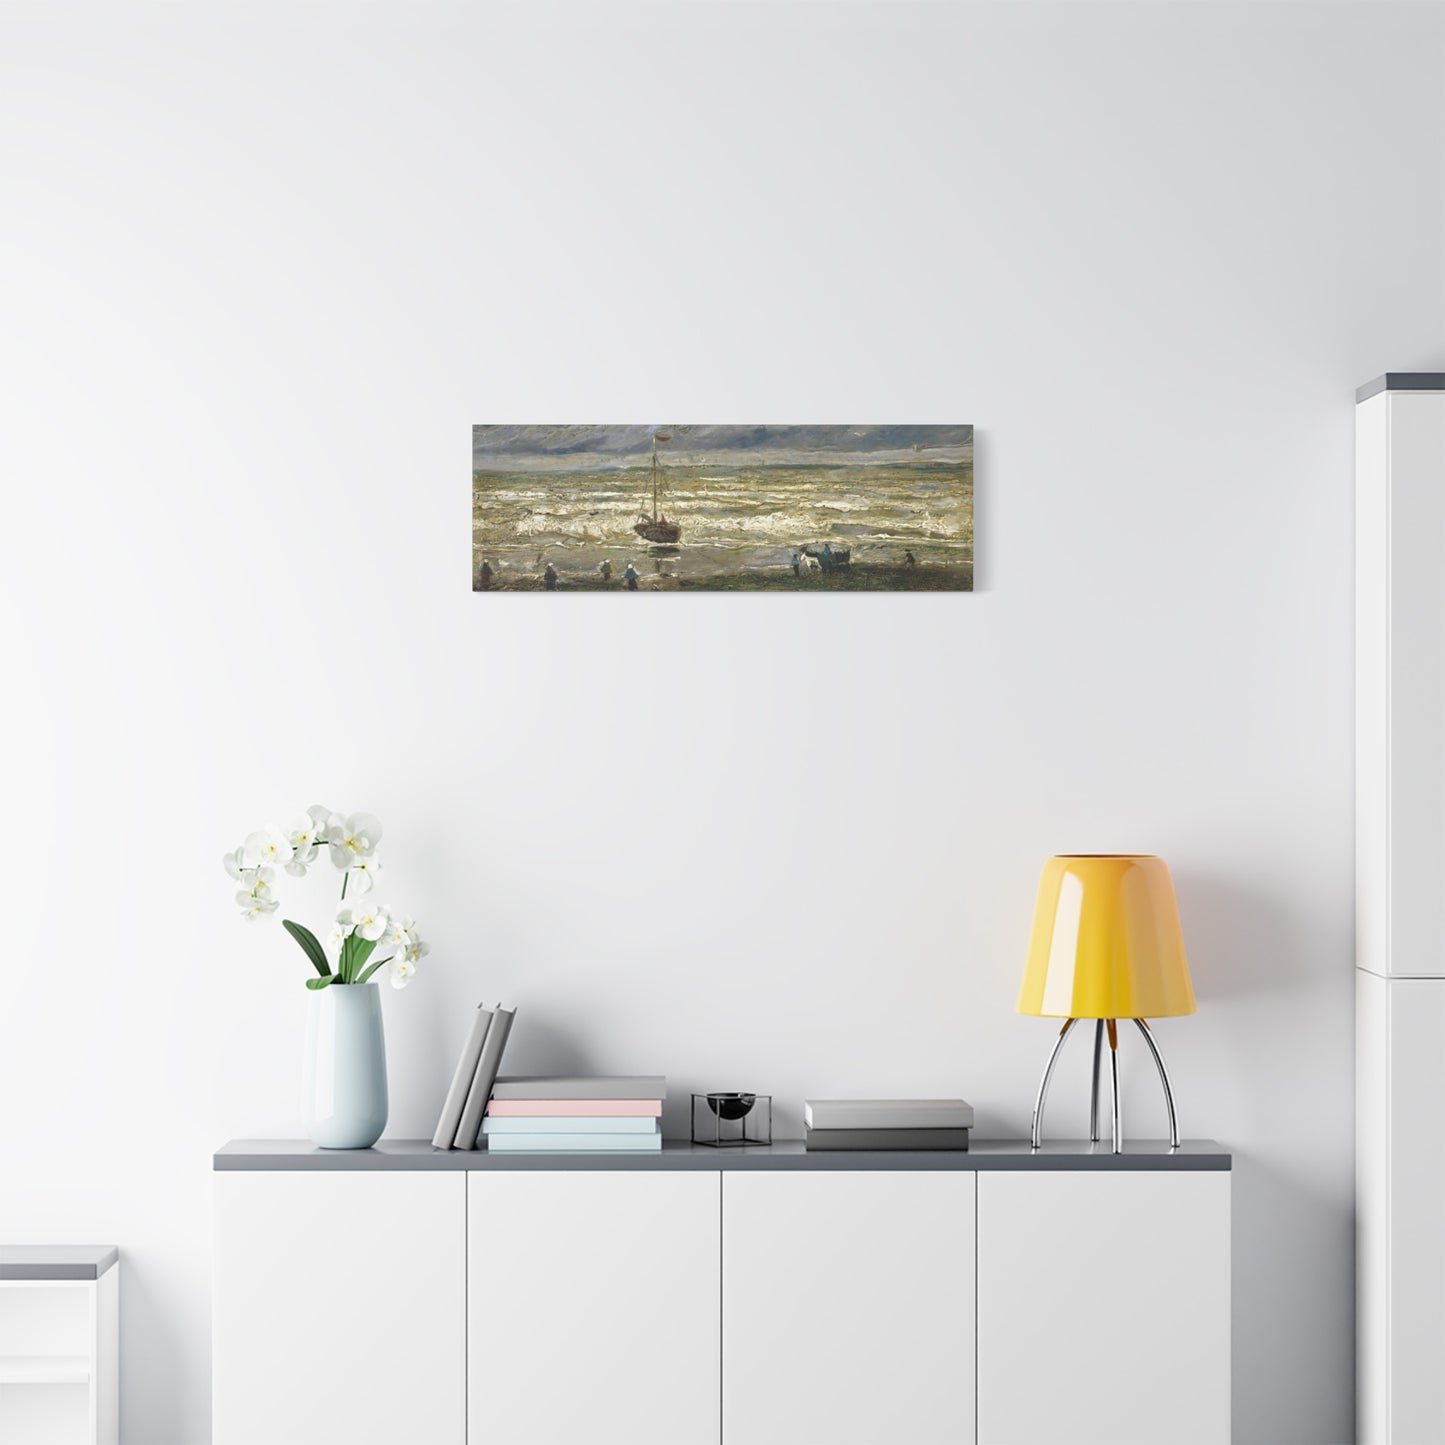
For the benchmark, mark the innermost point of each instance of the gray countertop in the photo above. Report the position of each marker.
(291, 1154)
(1401, 381)
(56, 1261)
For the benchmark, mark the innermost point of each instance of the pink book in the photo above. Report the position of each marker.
(575, 1108)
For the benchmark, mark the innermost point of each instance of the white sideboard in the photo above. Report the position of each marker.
(59, 1345)
(721, 1297)
(1400, 908)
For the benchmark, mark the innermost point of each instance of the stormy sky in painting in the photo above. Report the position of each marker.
(561, 448)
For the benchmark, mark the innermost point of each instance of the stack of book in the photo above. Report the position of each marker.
(460, 1125)
(886, 1123)
(568, 1114)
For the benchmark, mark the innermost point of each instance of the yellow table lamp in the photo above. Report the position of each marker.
(1106, 945)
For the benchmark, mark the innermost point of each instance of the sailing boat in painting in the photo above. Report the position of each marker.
(657, 528)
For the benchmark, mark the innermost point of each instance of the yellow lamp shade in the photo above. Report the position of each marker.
(1106, 942)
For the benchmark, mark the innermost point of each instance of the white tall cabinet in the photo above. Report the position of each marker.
(1400, 907)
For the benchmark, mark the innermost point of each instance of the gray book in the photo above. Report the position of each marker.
(446, 1134)
(888, 1114)
(587, 1086)
(862, 1139)
(488, 1062)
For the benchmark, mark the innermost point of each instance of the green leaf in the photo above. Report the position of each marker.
(309, 946)
(320, 982)
(378, 964)
(354, 952)
(362, 949)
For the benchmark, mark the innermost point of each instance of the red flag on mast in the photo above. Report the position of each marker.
(657, 436)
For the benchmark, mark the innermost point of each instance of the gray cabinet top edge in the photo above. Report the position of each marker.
(985, 1154)
(1401, 381)
(56, 1261)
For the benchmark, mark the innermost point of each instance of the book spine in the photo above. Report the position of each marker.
(576, 1143)
(888, 1114)
(632, 1086)
(470, 1128)
(451, 1116)
(570, 1124)
(886, 1139)
(562, 1108)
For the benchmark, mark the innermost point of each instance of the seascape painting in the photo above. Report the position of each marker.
(722, 508)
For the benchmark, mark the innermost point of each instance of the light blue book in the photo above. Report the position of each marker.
(569, 1125)
(574, 1143)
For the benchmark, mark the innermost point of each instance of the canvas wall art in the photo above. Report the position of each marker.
(722, 508)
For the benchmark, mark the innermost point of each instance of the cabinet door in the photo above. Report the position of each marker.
(848, 1308)
(1103, 1308)
(1399, 1184)
(592, 1308)
(339, 1308)
(1400, 683)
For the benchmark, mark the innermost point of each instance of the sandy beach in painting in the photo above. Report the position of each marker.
(816, 508)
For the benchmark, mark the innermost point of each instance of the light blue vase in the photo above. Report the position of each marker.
(343, 1103)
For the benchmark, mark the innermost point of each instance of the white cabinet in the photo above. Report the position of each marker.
(339, 1308)
(702, 1297)
(847, 1308)
(1400, 909)
(59, 1366)
(1103, 1308)
(592, 1307)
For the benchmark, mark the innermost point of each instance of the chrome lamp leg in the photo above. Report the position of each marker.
(1163, 1079)
(1094, 1092)
(1044, 1082)
(1118, 1135)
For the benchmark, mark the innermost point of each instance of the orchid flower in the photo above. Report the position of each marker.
(341, 928)
(363, 873)
(402, 932)
(372, 922)
(269, 848)
(352, 838)
(411, 951)
(303, 836)
(255, 906)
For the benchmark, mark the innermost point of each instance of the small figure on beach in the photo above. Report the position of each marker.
(549, 578)
(795, 561)
(606, 569)
(909, 560)
(630, 577)
(484, 575)
(827, 556)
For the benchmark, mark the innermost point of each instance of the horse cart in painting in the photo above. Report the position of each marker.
(829, 557)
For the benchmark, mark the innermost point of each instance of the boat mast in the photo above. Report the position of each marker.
(654, 476)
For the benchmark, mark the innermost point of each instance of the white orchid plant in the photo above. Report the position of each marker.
(360, 929)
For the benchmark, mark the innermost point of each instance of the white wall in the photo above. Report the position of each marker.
(263, 268)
